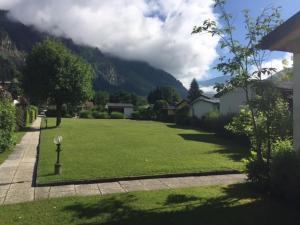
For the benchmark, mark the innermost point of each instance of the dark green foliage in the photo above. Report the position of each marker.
(7, 123)
(165, 93)
(53, 73)
(86, 114)
(112, 74)
(100, 115)
(285, 171)
(182, 116)
(144, 114)
(258, 172)
(194, 92)
(116, 115)
(159, 109)
(101, 98)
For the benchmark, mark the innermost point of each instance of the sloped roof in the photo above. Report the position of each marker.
(285, 37)
(122, 105)
(209, 100)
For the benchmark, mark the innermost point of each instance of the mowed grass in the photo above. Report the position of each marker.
(97, 149)
(18, 137)
(218, 205)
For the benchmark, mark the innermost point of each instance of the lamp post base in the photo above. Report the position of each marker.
(57, 169)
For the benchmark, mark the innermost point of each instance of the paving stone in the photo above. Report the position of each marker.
(20, 191)
(4, 187)
(10, 199)
(109, 188)
(134, 185)
(59, 194)
(1, 200)
(25, 185)
(174, 182)
(87, 189)
(3, 193)
(153, 184)
(41, 193)
(63, 188)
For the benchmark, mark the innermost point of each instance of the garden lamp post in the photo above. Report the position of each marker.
(57, 167)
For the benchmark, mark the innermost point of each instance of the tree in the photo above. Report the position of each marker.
(159, 109)
(52, 73)
(166, 93)
(243, 60)
(194, 91)
(101, 98)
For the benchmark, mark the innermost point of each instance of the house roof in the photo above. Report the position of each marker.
(285, 37)
(170, 107)
(121, 105)
(209, 100)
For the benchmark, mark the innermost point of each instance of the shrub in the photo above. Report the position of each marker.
(143, 114)
(116, 115)
(182, 116)
(257, 171)
(20, 117)
(100, 115)
(7, 123)
(285, 171)
(86, 114)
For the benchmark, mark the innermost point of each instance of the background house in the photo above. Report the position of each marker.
(201, 106)
(125, 108)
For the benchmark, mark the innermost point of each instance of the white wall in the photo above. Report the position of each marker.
(232, 101)
(296, 99)
(200, 108)
(128, 112)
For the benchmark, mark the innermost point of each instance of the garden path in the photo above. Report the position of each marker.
(17, 178)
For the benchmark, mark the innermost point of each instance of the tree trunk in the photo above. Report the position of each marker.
(268, 144)
(58, 114)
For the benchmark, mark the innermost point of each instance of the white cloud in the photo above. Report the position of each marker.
(155, 31)
(209, 89)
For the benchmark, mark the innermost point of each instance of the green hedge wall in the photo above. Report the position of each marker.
(7, 124)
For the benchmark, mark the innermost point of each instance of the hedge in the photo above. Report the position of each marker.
(25, 116)
(7, 124)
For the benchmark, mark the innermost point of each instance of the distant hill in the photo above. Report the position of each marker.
(214, 81)
(112, 73)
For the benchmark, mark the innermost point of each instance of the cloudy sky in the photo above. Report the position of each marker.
(155, 31)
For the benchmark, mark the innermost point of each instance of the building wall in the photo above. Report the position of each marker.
(296, 100)
(128, 112)
(232, 101)
(200, 108)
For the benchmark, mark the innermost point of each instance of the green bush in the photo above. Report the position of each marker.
(285, 171)
(100, 115)
(143, 114)
(7, 123)
(182, 116)
(257, 172)
(116, 115)
(20, 117)
(86, 114)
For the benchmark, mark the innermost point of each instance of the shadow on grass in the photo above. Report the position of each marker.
(233, 150)
(237, 206)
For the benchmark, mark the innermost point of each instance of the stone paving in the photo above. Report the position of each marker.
(16, 178)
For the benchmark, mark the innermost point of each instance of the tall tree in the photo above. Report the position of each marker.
(242, 57)
(194, 91)
(52, 73)
(166, 93)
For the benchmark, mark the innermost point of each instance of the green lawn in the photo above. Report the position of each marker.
(5, 154)
(231, 205)
(94, 149)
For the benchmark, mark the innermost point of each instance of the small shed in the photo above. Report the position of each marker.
(125, 108)
(286, 37)
(201, 106)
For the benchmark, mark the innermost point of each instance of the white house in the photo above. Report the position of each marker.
(286, 37)
(125, 108)
(202, 105)
(231, 101)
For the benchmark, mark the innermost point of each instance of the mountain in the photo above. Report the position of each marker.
(214, 81)
(112, 73)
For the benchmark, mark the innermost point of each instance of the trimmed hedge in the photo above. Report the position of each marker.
(25, 116)
(7, 124)
(86, 114)
(116, 115)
